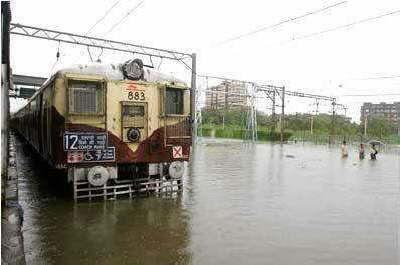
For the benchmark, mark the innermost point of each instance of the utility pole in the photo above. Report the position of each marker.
(5, 86)
(282, 113)
(273, 111)
(225, 104)
(226, 94)
(254, 111)
(193, 101)
(312, 116)
(333, 120)
(365, 125)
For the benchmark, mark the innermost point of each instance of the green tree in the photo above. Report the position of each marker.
(379, 127)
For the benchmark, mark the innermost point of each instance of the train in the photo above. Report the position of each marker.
(111, 128)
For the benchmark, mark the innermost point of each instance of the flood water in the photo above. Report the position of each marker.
(241, 204)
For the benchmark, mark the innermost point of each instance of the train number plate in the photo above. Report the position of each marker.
(105, 155)
(135, 93)
(136, 96)
(84, 141)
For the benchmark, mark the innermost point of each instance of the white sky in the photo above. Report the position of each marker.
(315, 65)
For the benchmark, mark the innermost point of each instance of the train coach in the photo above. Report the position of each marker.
(112, 129)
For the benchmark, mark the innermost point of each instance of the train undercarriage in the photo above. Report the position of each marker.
(126, 180)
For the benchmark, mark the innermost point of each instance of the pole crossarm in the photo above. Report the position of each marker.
(269, 89)
(341, 106)
(226, 79)
(306, 95)
(76, 39)
(211, 91)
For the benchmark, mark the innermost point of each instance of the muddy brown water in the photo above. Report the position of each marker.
(241, 204)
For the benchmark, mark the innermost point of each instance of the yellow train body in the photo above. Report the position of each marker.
(83, 118)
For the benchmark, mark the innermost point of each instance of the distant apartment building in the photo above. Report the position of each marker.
(387, 111)
(226, 95)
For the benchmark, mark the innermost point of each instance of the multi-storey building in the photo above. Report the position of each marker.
(387, 111)
(226, 95)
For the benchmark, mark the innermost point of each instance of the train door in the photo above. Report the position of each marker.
(46, 122)
(50, 91)
(175, 115)
(134, 121)
(40, 123)
(28, 123)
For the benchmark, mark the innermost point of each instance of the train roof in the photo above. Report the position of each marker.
(114, 72)
(109, 72)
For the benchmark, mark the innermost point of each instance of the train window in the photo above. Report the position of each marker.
(173, 101)
(85, 97)
(132, 111)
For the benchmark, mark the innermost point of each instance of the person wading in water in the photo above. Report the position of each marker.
(345, 152)
(373, 152)
(362, 151)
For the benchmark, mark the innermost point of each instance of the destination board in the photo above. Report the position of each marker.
(84, 141)
(104, 155)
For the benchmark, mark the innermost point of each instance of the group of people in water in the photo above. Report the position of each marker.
(361, 151)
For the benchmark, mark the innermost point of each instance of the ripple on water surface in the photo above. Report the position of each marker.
(242, 204)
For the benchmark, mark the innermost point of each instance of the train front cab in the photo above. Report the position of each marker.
(147, 135)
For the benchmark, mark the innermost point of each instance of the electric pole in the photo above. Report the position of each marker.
(193, 91)
(273, 111)
(282, 113)
(333, 120)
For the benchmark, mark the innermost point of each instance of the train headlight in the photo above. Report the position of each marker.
(98, 176)
(176, 169)
(133, 135)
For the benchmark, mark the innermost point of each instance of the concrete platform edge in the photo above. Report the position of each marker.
(12, 243)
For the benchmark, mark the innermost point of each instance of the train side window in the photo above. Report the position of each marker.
(86, 97)
(173, 101)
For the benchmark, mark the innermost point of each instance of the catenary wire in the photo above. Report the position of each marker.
(123, 18)
(345, 25)
(103, 17)
(281, 23)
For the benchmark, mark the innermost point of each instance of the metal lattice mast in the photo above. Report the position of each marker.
(82, 40)
(269, 92)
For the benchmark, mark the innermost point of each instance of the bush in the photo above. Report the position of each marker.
(241, 134)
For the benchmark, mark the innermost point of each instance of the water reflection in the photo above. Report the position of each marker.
(57, 231)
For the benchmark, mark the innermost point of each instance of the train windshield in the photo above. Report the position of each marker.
(132, 111)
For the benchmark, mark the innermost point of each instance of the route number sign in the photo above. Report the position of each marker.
(84, 141)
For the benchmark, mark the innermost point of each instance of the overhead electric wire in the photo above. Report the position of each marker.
(366, 88)
(369, 95)
(374, 78)
(97, 22)
(346, 25)
(281, 23)
(123, 18)
(103, 17)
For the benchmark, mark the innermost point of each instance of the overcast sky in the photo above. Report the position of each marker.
(349, 61)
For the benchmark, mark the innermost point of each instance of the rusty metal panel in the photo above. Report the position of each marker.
(177, 130)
